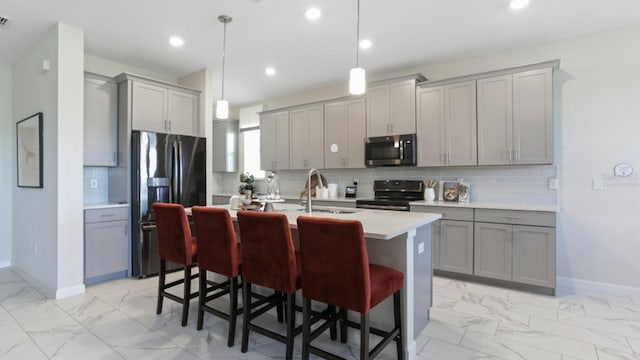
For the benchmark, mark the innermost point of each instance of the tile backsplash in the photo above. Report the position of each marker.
(100, 178)
(495, 184)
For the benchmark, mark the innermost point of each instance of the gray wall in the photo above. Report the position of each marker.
(7, 164)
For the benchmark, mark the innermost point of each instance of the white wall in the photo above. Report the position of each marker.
(597, 114)
(47, 222)
(7, 163)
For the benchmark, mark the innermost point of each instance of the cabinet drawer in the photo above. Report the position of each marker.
(517, 217)
(449, 213)
(106, 214)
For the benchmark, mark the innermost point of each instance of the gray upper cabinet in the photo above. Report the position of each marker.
(447, 125)
(344, 134)
(515, 122)
(100, 121)
(161, 107)
(225, 146)
(274, 141)
(306, 137)
(391, 107)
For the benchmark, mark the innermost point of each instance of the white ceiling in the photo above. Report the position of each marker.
(405, 33)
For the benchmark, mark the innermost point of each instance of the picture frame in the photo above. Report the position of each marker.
(29, 151)
(450, 191)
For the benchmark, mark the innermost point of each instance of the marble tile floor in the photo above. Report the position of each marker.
(117, 320)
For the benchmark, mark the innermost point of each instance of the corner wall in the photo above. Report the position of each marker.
(7, 163)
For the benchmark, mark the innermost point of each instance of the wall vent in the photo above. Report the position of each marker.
(4, 21)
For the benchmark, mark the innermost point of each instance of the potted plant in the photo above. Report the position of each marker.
(246, 184)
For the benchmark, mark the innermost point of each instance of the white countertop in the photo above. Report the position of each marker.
(468, 205)
(377, 224)
(104, 206)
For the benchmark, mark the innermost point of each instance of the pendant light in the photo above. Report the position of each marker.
(222, 106)
(357, 77)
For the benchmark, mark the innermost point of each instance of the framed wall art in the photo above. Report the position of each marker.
(29, 143)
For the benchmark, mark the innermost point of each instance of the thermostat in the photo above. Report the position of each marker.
(623, 169)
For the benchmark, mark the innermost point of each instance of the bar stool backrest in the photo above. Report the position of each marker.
(174, 235)
(268, 255)
(335, 263)
(217, 244)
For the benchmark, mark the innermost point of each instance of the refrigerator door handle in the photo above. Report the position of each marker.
(180, 173)
(175, 170)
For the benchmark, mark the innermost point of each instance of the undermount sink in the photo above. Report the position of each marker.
(330, 211)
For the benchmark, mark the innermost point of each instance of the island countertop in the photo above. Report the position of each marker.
(377, 224)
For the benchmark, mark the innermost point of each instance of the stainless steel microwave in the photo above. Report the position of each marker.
(396, 150)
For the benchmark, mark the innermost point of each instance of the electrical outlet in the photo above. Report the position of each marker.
(598, 184)
(420, 248)
(93, 183)
(553, 184)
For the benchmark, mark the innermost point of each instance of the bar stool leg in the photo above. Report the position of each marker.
(306, 327)
(279, 307)
(332, 329)
(343, 325)
(364, 336)
(398, 320)
(233, 310)
(187, 294)
(161, 279)
(246, 295)
(202, 289)
(291, 323)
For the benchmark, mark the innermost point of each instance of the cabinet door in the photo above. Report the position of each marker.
(268, 138)
(182, 113)
(105, 248)
(315, 144)
(148, 107)
(460, 118)
(100, 122)
(402, 107)
(299, 142)
(335, 135)
(532, 116)
(356, 133)
(378, 111)
(495, 121)
(431, 126)
(282, 141)
(493, 250)
(456, 246)
(534, 256)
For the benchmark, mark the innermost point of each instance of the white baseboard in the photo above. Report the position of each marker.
(47, 291)
(5, 264)
(577, 286)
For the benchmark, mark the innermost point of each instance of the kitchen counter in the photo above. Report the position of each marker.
(104, 206)
(400, 240)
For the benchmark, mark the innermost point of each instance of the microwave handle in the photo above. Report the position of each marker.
(401, 149)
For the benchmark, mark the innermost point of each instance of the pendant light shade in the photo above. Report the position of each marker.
(222, 106)
(357, 76)
(222, 109)
(357, 81)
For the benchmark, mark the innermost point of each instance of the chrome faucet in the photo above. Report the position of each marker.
(308, 208)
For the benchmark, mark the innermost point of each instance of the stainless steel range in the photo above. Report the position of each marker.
(393, 195)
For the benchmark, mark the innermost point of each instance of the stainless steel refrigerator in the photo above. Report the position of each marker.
(164, 168)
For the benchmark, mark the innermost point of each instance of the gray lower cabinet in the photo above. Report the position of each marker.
(455, 246)
(106, 240)
(516, 246)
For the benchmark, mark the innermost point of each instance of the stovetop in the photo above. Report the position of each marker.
(394, 194)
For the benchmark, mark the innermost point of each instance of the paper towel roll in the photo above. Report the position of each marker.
(333, 190)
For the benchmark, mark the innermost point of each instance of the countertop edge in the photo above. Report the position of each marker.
(103, 206)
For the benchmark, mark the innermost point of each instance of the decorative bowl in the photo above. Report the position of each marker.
(246, 201)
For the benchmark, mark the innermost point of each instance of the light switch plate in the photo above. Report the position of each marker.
(553, 183)
(420, 248)
(598, 184)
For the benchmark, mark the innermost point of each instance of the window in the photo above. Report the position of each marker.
(251, 152)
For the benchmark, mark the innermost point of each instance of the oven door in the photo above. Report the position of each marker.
(383, 205)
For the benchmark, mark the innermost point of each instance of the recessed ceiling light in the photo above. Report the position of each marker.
(519, 4)
(365, 43)
(176, 41)
(270, 71)
(313, 14)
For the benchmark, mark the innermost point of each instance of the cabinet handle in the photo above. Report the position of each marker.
(169, 125)
(517, 155)
(510, 154)
(114, 156)
(305, 163)
(512, 218)
(448, 158)
(391, 126)
(107, 215)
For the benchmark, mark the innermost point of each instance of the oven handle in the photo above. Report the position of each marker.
(383, 207)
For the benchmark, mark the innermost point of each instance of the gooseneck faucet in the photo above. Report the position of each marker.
(308, 209)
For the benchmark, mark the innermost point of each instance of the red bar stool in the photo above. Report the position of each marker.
(175, 244)
(336, 271)
(218, 252)
(268, 260)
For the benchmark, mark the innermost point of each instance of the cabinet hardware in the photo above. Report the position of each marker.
(107, 215)
(510, 154)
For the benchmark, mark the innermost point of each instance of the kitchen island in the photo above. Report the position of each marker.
(400, 240)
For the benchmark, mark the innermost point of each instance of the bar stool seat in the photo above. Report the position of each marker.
(175, 244)
(219, 252)
(336, 271)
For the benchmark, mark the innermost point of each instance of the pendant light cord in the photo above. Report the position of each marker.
(357, 30)
(224, 50)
